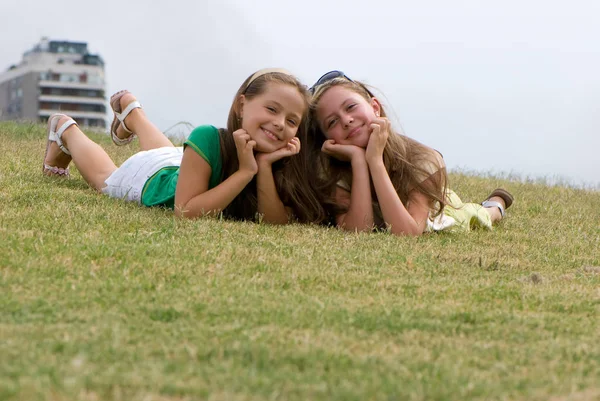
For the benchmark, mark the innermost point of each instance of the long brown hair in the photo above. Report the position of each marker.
(404, 158)
(290, 176)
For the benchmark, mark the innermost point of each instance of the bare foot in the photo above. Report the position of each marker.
(56, 161)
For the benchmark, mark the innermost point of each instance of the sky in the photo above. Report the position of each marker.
(509, 88)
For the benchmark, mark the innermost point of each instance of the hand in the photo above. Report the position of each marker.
(292, 148)
(341, 152)
(380, 131)
(245, 151)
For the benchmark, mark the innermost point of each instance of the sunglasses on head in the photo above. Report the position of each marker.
(336, 74)
(326, 78)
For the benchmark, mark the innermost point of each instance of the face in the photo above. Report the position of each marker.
(345, 116)
(273, 117)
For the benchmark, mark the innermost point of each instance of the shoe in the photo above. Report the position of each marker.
(501, 193)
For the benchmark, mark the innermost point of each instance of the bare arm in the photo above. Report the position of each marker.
(360, 209)
(359, 216)
(270, 206)
(192, 196)
(402, 220)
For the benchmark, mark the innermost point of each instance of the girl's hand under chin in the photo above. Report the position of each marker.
(291, 149)
(380, 131)
(344, 153)
(245, 151)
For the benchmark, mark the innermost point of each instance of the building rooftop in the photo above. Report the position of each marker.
(67, 48)
(55, 46)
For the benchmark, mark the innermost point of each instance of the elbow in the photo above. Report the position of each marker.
(186, 212)
(277, 222)
(354, 228)
(178, 207)
(182, 212)
(178, 212)
(411, 232)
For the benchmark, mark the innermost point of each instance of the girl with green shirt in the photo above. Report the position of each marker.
(253, 167)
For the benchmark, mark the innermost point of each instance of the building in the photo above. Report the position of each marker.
(55, 76)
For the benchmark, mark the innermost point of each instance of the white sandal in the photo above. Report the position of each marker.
(56, 136)
(119, 117)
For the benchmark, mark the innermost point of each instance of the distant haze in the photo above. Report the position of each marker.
(510, 86)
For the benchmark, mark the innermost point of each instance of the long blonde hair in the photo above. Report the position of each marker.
(404, 158)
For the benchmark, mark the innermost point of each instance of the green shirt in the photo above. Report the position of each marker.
(159, 190)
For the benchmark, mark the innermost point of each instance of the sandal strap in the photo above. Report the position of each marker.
(491, 203)
(124, 141)
(56, 136)
(123, 115)
(57, 170)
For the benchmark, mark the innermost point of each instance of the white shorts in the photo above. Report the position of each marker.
(127, 182)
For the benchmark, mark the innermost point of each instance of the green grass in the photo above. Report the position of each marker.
(104, 300)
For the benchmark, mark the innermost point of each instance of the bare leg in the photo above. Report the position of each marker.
(494, 211)
(149, 135)
(91, 160)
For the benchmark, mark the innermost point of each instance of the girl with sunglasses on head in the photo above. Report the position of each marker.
(373, 177)
(253, 167)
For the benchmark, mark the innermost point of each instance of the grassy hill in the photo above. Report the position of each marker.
(100, 299)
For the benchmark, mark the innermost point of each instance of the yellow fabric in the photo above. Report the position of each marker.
(460, 217)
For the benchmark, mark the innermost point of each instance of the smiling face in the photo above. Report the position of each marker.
(272, 118)
(345, 116)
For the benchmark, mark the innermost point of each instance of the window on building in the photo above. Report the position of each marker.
(95, 79)
(69, 77)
